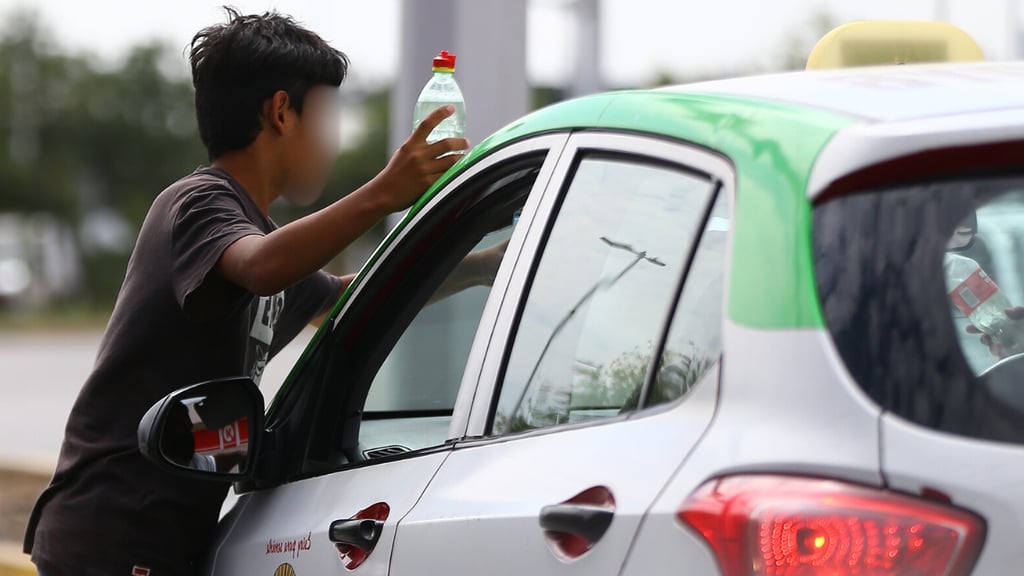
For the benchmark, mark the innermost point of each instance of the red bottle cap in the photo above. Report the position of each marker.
(445, 60)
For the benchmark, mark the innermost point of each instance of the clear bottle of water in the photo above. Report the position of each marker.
(978, 297)
(440, 91)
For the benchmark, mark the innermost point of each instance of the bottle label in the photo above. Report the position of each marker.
(970, 294)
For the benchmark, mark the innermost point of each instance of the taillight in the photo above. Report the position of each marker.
(786, 526)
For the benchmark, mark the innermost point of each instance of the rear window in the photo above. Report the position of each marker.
(922, 289)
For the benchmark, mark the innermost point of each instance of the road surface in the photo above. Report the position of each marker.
(40, 375)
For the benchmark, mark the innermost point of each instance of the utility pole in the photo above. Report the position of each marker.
(1013, 19)
(587, 76)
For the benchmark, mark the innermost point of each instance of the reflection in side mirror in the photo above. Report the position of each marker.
(213, 428)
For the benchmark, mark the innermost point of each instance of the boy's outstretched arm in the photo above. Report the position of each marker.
(265, 265)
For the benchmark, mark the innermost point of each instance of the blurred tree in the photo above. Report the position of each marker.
(32, 83)
(88, 145)
(797, 46)
(93, 145)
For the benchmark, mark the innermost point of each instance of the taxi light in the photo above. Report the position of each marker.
(878, 43)
(788, 526)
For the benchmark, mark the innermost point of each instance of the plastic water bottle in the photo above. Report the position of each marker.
(440, 91)
(978, 297)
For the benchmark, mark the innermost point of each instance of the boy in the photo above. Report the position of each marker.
(214, 289)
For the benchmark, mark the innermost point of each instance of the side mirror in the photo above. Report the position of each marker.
(211, 429)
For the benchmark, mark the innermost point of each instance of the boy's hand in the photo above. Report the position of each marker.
(417, 165)
(994, 346)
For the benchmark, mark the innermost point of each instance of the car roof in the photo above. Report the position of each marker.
(887, 93)
(875, 113)
(860, 95)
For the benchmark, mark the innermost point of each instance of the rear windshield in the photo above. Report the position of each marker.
(922, 289)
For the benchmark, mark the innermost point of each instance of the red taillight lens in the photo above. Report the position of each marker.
(782, 526)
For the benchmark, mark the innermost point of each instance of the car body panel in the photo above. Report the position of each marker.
(273, 527)
(770, 380)
(486, 501)
(985, 477)
(864, 145)
(773, 378)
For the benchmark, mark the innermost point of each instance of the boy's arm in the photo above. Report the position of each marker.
(345, 281)
(265, 265)
(476, 269)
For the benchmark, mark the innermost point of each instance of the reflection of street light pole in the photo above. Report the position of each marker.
(601, 283)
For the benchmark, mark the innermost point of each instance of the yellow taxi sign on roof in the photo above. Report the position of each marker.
(875, 43)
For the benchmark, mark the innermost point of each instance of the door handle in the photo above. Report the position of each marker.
(586, 521)
(358, 533)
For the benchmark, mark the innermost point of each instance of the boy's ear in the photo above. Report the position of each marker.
(276, 111)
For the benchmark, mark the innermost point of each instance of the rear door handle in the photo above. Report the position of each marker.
(358, 533)
(586, 521)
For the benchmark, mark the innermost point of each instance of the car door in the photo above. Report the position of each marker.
(362, 426)
(589, 399)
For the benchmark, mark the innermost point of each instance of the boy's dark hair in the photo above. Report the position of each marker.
(238, 65)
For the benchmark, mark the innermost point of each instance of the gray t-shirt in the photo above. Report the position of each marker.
(176, 322)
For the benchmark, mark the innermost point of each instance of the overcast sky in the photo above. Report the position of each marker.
(640, 37)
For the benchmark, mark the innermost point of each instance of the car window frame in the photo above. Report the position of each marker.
(646, 148)
(296, 420)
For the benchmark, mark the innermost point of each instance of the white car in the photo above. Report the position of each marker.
(720, 341)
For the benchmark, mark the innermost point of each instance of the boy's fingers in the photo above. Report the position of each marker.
(1015, 313)
(447, 145)
(972, 330)
(431, 121)
(439, 166)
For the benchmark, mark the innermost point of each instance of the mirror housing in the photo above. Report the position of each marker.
(211, 430)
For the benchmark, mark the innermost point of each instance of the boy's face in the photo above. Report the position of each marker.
(311, 146)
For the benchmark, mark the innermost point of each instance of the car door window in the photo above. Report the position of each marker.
(412, 395)
(399, 353)
(601, 292)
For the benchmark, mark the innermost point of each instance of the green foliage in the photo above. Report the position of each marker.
(77, 136)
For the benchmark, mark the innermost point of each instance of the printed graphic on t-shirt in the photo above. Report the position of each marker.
(267, 311)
